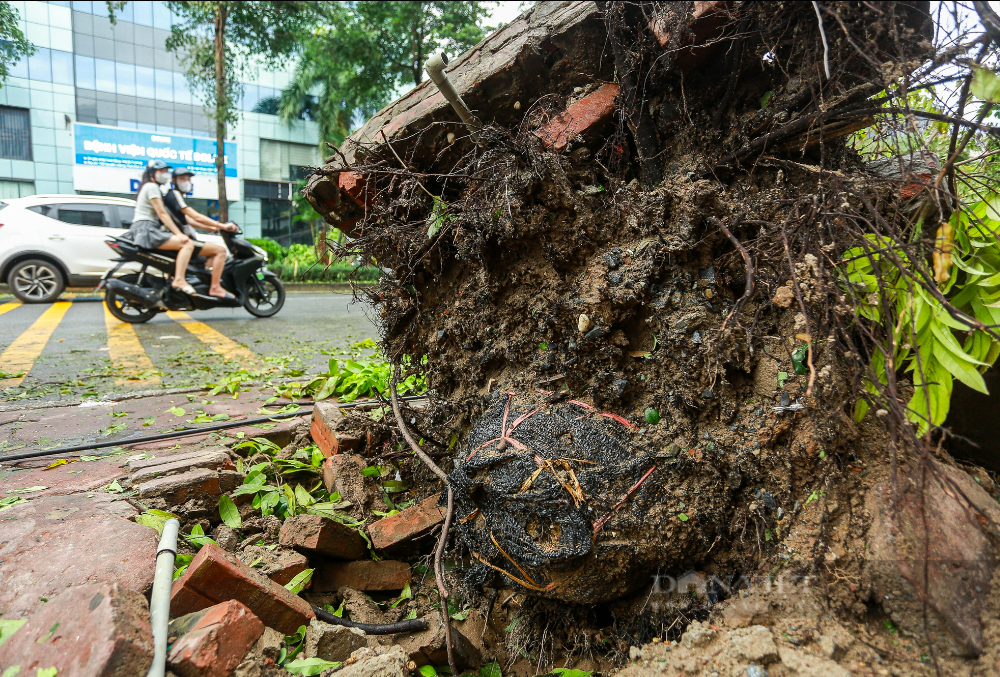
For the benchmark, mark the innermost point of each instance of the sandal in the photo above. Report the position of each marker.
(226, 296)
(186, 289)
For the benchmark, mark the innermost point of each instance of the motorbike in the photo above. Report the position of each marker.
(138, 297)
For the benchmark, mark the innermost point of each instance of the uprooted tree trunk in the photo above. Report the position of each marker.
(660, 376)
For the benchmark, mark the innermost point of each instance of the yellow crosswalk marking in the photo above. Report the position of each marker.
(218, 342)
(126, 351)
(20, 355)
(7, 307)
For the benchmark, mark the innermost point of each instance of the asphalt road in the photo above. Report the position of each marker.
(74, 349)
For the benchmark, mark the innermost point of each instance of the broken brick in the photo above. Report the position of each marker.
(355, 185)
(699, 35)
(332, 642)
(326, 418)
(342, 474)
(217, 576)
(580, 117)
(362, 575)
(322, 535)
(95, 630)
(289, 564)
(179, 488)
(404, 526)
(149, 469)
(215, 640)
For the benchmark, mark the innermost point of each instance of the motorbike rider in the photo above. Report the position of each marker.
(185, 216)
(153, 228)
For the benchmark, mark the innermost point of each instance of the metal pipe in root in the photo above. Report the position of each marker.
(435, 68)
(159, 604)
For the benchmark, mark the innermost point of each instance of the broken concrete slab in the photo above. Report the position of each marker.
(403, 527)
(391, 663)
(332, 642)
(176, 489)
(95, 630)
(55, 542)
(324, 536)
(342, 474)
(215, 576)
(959, 561)
(364, 575)
(148, 469)
(68, 478)
(754, 644)
(212, 642)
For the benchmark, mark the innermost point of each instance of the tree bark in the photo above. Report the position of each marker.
(221, 104)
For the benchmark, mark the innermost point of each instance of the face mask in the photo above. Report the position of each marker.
(162, 178)
(184, 187)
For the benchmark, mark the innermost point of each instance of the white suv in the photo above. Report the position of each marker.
(50, 241)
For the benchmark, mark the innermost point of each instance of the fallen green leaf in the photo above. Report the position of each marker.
(25, 490)
(229, 513)
(300, 581)
(682, 517)
(310, 666)
(8, 628)
(652, 416)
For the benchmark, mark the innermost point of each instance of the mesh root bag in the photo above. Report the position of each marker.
(558, 500)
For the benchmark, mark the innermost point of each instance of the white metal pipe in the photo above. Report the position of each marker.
(159, 603)
(435, 68)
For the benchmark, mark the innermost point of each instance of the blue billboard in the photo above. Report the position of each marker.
(113, 147)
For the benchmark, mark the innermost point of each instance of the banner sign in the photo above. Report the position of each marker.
(111, 159)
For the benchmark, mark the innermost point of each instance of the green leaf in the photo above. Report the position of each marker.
(12, 671)
(300, 581)
(764, 99)
(25, 490)
(176, 411)
(782, 377)
(302, 497)
(151, 521)
(229, 513)
(652, 416)
(682, 517)
(10, 502)
(570, 672)
(9, 627)
(427, 671)
(985, 85)
(959, 368)
(46, 672)
(799, 357)
(403, 596)
(490, 670)
(310, 666)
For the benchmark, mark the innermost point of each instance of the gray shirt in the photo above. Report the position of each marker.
(144, 210)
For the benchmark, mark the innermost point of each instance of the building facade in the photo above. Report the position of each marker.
(113, 85)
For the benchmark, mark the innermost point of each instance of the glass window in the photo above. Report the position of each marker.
(145, 82)
(161, 15)
(15, 133)
(181, 92)
(251, 97)
(40, 65)
(143, 13)
(20, 69)
(81, 215)
(125, 76)
(105, 72)
(85, 72)
(125, 13)
(85, 6)
(124, 219)
(62, 67)
(164, 85)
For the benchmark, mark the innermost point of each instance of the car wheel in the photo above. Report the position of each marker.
(36, 281)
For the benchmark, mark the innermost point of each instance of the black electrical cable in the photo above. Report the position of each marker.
(173, 433)
(412, 625)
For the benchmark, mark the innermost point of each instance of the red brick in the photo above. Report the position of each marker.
(179, 488)
(356, 186)
(326, 418)
(101, 630)
(588, 112)
(404, 526)
(701, 37)
(364, 575)
(150, 469)
(322, 535)
(217, 641)
(217, 576)
(52, 543)
(289, 565)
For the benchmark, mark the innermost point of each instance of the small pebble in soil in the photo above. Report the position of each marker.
(696, 337)
(614, 279)
(756, 671)
(612, 260)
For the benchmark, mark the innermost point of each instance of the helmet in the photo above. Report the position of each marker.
(157, 164)
(182, 171)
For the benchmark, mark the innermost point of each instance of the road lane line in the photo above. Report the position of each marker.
(218, 342)
(7, 307)
(126, 352)
(22, 353)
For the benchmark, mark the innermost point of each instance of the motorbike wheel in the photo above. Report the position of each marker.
(264, 297)
(126, 310)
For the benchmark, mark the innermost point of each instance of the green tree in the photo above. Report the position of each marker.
(361, 53)
(223, 43)
(13, 45)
